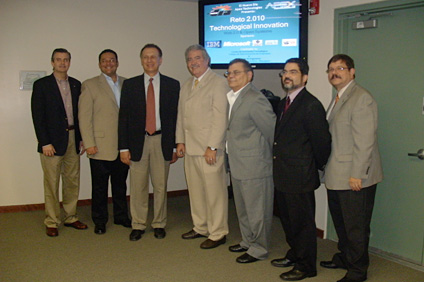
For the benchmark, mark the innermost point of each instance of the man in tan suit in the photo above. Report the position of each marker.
(353, 169)
(98, 115)
(201, 126)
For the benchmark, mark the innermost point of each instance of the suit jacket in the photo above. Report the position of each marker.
(354, 153)
(202, 114)
(250, 135)
(302, 144)
(98, 117)
(49, 115)
(132, 115)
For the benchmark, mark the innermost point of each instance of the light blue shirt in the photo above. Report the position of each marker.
(115, 88)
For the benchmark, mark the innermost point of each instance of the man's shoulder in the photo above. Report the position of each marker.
(92, 80)
(73, 80)
(168, 79)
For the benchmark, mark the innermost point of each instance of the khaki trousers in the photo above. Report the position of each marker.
(208, 196)
(67, 167)
(153, 165)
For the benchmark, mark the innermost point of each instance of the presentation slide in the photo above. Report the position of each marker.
(261, 32)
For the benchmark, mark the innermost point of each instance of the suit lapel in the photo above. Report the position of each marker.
(291, 110)
(238, 102)
(346, 95)
(106, 88)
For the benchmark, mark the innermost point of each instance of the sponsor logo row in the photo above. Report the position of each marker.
(288, 42)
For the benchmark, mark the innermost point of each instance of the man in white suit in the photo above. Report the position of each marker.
(98, 114)
(201, 125)
(353, 169)
(250, 136)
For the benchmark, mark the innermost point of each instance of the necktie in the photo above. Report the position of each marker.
(287, 105)
(196, 82)
(150, 109)
(337, 99)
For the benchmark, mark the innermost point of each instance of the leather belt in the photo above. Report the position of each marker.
(154, 133)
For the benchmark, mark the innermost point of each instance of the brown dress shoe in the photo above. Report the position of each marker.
(210, 244)
(52, 232)
(77, 225)
(192, 235)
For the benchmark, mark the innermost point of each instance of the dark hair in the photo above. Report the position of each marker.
(344, 58)
(60, 50)
(108, 51)
(151, 45)
(247, 66)
(302, 64)
(197, 47)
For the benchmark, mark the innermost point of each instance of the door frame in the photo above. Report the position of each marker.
(341, 46)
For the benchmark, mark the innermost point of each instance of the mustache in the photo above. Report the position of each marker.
(287, 80)
(335, 76)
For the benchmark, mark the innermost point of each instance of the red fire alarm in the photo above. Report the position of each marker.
(314, 7)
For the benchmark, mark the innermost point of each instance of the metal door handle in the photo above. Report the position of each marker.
(419, 154)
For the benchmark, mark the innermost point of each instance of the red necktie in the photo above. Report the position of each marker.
(287, 105)
(150, 109)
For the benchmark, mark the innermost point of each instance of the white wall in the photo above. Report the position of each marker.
(30, 30)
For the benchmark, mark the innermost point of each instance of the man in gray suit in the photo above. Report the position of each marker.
(250, 135)
(98, 115)
(353, 169)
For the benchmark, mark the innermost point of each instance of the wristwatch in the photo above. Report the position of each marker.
(212, 148)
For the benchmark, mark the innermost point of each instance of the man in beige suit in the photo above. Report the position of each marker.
(201, 126)
(353, 169)
(98, 115)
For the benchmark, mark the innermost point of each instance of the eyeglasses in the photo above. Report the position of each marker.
(336, 69)
(235, 73)
(285, 72)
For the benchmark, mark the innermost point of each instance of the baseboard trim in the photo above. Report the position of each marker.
(87, 202)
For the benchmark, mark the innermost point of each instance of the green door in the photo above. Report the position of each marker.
(386, 40)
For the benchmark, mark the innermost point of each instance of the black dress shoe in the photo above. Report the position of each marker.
(210, 244)
(192, 235)
(237, 249)
(296, 275)
(100, 229)
(282, 262)
(159, 233)
(246, 258)
(345, 279)
(330, 264)
(136, 234)
(125, 223)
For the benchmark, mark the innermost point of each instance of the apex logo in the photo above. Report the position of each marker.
(282, 5)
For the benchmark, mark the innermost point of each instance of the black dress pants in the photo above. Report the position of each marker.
(297, 215)
(351, 212)
(101, 171)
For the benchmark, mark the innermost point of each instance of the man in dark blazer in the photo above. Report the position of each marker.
(302, 146)
(54, 106)
(353, 169)
(146, 138)
(98, 117)
(249, 137)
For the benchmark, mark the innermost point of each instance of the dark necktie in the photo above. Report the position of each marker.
(150, 109)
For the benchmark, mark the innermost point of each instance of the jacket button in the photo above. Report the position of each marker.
(274, 157)
(275, 143)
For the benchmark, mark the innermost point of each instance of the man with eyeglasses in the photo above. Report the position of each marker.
(98, 116)
(249, 137)
(302, 145)
(353, 169)
(201, 126)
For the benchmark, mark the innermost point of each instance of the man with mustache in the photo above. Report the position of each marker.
(201, 126)
(302, 145)
(353, 169)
